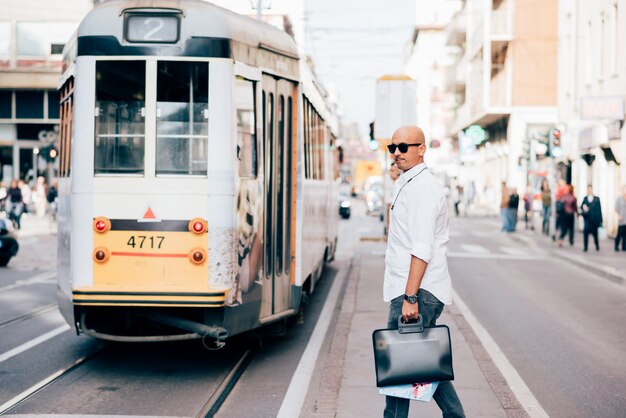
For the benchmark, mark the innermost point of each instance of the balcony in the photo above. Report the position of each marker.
(456, 30)
(498, 88)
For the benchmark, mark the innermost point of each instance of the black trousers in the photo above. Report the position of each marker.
(621, 235)
(567, 226)
(593, 231)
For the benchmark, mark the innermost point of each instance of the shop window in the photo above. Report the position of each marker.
(246, 128)
(6, 104)
(29, 104)
(182, 118)
(32, 131)
(53, 104)
(120, 117)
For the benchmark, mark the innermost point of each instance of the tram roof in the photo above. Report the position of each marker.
(200, 19)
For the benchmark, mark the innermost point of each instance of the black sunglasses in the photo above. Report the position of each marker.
(402, 147)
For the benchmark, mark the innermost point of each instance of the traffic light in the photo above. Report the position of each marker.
(49, 153)
(554, 146)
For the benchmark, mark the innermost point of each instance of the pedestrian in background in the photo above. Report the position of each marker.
(15, 203)
(568, 217)
(546, 206)
(417, 280)
(529, 196)
(561, 190)
(504, 207)
(620, 208)
(513, 206)
(592, 214)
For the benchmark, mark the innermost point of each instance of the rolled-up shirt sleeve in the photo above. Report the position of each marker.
(422, 216)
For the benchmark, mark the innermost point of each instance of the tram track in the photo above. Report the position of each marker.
(216, 400)
(28, 315)
(31, 391)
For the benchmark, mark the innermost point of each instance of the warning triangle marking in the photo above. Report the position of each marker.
(149, 214)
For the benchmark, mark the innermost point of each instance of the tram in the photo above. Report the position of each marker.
(197, 174)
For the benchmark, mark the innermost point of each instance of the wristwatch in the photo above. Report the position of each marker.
(412, 299)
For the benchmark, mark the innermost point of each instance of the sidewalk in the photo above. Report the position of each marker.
(606, 263)
(358, 395)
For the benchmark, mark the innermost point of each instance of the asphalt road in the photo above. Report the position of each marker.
(151, 379)
(562, 328)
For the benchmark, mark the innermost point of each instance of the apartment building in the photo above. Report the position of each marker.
(32, 36)
(505, 86)
(591, 95)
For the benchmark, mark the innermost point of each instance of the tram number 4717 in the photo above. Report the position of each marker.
(144, 241)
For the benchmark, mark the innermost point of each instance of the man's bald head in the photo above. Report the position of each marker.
(408, 134)
(413, 136)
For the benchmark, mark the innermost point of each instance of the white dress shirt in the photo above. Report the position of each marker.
(419, 227)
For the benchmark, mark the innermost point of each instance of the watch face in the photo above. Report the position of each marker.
(410, 298)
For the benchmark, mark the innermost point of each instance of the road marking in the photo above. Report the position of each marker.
(453, 254)
(513, 251)
(476, 249)
(40, 278)
(299, 385)
(523, 394)
(34, 342)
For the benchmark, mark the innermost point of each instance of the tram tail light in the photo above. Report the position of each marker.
(198, 256)
(198, 226)
(101, 255)
(101, 224)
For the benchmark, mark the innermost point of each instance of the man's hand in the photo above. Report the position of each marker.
(409, 311)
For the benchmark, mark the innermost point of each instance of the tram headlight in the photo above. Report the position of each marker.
(198, 226)
(101, 224)
(101, 255)
(198, 255)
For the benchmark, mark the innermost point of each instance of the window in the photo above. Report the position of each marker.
(246, 128)
(65, 127)
(32, 39)
(6, 104)
(182, 118)
(29, 104)
(588, 47)
(53, 104)
(5, 43)
(120, 117)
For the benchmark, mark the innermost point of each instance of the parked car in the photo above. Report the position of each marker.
(8, 241)
(344, 206)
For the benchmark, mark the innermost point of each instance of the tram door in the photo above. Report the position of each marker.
(277, 111)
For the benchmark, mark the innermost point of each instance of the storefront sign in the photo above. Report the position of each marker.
(602, 107)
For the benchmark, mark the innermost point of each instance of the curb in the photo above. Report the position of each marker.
(609, 273)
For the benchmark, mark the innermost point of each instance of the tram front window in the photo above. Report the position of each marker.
(182, 118)
(120, 117)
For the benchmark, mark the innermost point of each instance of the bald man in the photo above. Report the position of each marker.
(416, 270)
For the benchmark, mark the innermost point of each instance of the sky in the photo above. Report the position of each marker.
(354, 42)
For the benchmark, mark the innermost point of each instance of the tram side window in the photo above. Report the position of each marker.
(182, 118)
(120, 117)
(246, 128)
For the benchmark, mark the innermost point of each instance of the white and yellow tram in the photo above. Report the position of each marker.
(197, 177)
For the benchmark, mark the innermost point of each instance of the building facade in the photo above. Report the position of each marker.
(591, 96)
(427, 61)
(505, 86)
(32, 36)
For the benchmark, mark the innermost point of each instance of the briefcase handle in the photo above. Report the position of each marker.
(410, 327)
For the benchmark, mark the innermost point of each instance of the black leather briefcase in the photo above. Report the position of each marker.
(412, 354)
